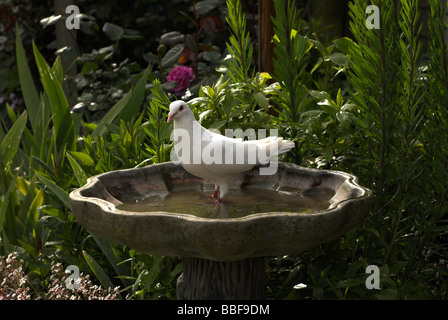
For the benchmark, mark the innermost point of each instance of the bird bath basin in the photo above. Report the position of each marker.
(163, 210)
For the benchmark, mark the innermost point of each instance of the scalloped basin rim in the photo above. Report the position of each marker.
(255, 235)
(111, 205)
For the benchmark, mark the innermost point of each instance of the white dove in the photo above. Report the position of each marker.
(215, 157)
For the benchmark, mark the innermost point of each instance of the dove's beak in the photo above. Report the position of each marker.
(171, 116)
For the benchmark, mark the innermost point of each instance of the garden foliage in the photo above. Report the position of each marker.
(373, 105)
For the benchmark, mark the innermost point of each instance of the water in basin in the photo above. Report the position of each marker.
(237, 203)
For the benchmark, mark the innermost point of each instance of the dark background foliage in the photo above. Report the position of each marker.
(369, 103)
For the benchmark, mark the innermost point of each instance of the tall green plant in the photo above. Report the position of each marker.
(239, 98)
(51, 159)
(399, 106)
(437, 96)
(373, 74)
(157, 129)
(239, 45)
(410, 112)
(289, 63)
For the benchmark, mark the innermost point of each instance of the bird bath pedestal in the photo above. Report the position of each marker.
(222, 257)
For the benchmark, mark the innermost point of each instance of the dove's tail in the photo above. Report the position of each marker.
(272, 146)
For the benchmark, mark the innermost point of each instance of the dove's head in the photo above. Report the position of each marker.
(178, 109)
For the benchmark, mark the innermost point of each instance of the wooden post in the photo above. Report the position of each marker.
(333, 13)
(265, 33)
(65, 38)
(203, 279)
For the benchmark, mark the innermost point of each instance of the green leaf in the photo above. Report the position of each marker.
(80, 175)
(29, 249)
(264, 77)
(293, 34)
(328, 154)
(261, 100)
(320, 95)
(386, 294)
(111, 115)
(11, 141)
(218, 124)
(113, 31)
(11, 114)
(57, 69)
(125, 108)
(83, 157)
(89, 66)
(205, 6)
(339, 58)
(33, 214)
(317, 65)
(240, 109)
(115, 257)
(323, 50)
(329, 106)
(58, 191)
(172, 56)
(98, 271)
(62, 121)
(343, 44)
(133, 108)
(30, 95)
(5, 202)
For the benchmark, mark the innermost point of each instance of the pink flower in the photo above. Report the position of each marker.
(183, 75)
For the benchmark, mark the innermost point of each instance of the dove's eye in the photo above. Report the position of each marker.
(181, 108)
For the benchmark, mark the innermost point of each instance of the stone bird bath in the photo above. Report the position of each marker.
(222, 253)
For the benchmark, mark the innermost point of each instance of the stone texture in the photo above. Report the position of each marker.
(258, 235)
(222, 280)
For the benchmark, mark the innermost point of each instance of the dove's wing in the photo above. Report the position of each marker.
(225, 156)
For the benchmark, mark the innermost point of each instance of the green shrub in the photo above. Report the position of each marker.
(374, 106)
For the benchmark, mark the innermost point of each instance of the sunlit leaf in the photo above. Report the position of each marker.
(113, 31)
(80, 175)
(172, 56)
(98, 271)
(58, 191)
(11, 141)
(30, 95)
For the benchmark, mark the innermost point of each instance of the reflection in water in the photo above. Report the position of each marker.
(238, 203)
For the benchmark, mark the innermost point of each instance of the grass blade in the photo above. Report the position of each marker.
(62, 121)
(125, 108)
(5, 202)
(137, 96)
(30, 95)
(98, 271)
(115, 256)
(11, 141)
(33, 214)
(111, 115)
(77, 170)
(58, 191)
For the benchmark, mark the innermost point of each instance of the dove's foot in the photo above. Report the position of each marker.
(218, 201)
(214, 196)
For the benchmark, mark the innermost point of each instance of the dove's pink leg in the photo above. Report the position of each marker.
(223, 189)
